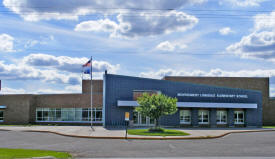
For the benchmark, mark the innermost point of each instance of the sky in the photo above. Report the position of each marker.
(44, 43)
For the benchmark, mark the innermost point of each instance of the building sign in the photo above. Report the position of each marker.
(127, 116)
(212, 95)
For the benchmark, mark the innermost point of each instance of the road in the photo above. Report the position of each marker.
(245, 144)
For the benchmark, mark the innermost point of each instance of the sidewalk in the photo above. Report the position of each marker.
(101, 132)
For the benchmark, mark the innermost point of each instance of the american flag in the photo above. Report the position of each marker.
(87, 64)
(87, 67)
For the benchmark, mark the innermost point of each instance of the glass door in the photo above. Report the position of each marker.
(140, 120)
(143, 120)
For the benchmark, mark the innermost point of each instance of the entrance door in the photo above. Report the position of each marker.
(140, 120)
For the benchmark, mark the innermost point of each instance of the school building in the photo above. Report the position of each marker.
(202, 102)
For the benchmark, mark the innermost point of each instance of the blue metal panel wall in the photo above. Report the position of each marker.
(230, 117)
(213, 118)
(194, 117)
(119, 87)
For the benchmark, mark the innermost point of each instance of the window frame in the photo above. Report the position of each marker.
(237, 121)
(182, 117)
(2, 118)
(202, 117)
(220, 115)
(68, 115)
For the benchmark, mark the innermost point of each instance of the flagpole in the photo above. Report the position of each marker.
(91, 94)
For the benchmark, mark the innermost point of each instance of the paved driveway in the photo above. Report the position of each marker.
(246, 144)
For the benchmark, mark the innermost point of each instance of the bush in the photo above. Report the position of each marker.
(156, 129)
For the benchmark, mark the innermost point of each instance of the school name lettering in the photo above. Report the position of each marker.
(212, 95)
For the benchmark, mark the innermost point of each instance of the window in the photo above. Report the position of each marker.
(1, 116)
(86, 113)
(203, 116)
(239, 117)
(97, 114)
(140, 120)
(39, 116)
(221, 116)
(185, 116)
(68, 114)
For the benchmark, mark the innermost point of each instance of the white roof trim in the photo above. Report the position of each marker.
(216, 105)
(121, 103)
(3, 106)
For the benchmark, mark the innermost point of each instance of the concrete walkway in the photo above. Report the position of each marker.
(101, 132)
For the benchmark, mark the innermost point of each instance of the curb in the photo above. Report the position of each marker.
(5, 130)
(144, 138)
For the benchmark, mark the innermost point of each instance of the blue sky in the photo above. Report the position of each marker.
(43, 43)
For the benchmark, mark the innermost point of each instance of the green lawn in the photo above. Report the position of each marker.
(166, 132)
(27, 125)
(268, 126)
(27, 153)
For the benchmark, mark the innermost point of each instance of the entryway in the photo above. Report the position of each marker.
(140, 120)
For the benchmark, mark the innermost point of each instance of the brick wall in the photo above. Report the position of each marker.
(18, 108)
(97, 86)
(21, 109)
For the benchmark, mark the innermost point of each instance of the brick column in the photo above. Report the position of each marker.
(213, 118)
(194, 117)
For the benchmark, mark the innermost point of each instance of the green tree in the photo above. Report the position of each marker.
(156, 105)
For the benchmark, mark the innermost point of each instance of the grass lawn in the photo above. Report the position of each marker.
(166, 132)
(28, 125)
(27, 153)
(268, 126)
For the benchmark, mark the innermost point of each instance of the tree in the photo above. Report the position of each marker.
(156, 105)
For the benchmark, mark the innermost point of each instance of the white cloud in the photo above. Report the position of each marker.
(165, 46)
(264, 22)
(6, 90)
(67, 89)
(65, 63)
(52, 69)
(133, 18)
(6, 43)
(244, 3)
(25, 72)
(40, 41)
(213, 72)
(75, 88)
(260, 43)
(105, 25)
(34, 10)
(170, 46)
(225, 31)
(142, 24)
(255, 45)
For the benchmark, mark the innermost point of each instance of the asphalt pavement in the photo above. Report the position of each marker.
(256, 144)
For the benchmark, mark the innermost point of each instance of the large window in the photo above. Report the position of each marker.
(1, 116)
(239, 117)
(203, 116)
(221, 116)
(68, 115)
(185, 116)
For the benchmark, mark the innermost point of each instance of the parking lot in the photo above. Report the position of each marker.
(244, 144)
